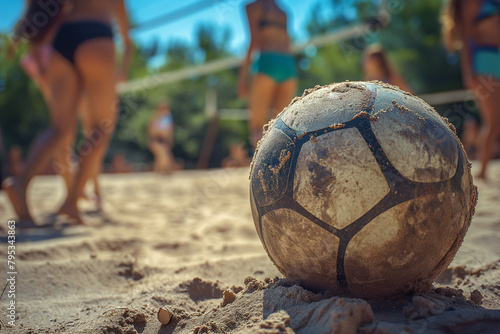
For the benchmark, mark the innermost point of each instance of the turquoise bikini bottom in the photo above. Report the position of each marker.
(486, 60)
(278, 66)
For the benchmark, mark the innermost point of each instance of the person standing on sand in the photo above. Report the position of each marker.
(80, 64)
(473, 28)
(161, 139)
(275, 82)
(238, 157)
(34, 63)
(376, 66)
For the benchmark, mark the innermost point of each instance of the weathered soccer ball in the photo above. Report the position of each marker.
(361, 188)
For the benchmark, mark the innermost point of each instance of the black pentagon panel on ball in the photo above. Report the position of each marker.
(271, 170)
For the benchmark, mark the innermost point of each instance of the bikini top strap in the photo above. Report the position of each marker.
(488, 8)
(265, 18)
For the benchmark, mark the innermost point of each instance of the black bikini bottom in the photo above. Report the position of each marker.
(70, 35)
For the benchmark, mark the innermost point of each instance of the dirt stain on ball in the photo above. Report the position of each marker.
(322, 178)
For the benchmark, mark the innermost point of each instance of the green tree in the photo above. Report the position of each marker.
(187, 99)
(413, 40)
(23, 113)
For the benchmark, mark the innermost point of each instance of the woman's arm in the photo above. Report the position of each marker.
(464, 17)
(254, 45)
(466, 66)
(123, 23)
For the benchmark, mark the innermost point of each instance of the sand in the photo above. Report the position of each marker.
(187, 242)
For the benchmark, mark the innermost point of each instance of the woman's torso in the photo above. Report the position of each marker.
(271, 23)
(483, 30)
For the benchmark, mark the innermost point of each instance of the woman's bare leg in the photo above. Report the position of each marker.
(63, 83)
(87, 130)
(63, 157)
(489, 106)
(261, 97)
(63, 161)
(95, 61)
(97, 192)
(286, 91)
(160, 158)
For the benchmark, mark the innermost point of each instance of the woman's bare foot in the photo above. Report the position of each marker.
(71, 212)
(17, 196)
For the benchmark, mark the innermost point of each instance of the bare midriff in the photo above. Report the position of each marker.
(274, 39)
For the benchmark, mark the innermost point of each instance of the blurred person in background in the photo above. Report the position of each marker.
(275, 82)
(161, 139)
(238, 157)
(470, 135)
(63, 160)
(119, 164)
(473, 28)
(377, 66)
(470, 139)
(75, 56)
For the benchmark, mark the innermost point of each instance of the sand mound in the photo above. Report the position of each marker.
(282, 306)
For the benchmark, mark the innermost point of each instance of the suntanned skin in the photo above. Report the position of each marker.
(265, 93)
(62, 158)
(93, 76)
(162, 151)
(487, 90)
(374, 71)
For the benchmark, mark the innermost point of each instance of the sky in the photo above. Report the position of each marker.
(228, 13)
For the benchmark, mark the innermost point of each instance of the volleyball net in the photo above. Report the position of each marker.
(219, 65)
(381, 19)
(216, 113)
